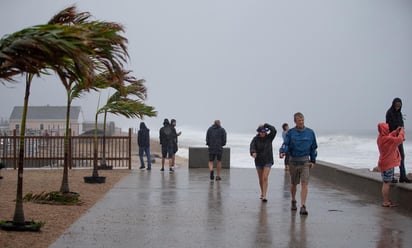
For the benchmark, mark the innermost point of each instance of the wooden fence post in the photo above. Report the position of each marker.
(130, 149)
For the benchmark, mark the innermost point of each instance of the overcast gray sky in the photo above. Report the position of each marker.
(247, 62)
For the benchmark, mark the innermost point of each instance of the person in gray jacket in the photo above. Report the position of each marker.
(215, 140)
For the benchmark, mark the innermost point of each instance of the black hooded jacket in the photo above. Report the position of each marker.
(262, 146)
(394, 117)
(143, 136)
(216, 139)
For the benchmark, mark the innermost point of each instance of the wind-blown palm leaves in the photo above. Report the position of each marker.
(75, 52)
(121, 103)
(107, 49)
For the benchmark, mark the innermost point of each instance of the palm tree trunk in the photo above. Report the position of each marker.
(18, 218)
(104, 139)
(95, 149)
(64, 188)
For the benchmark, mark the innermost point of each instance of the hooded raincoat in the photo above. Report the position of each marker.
(388, 142)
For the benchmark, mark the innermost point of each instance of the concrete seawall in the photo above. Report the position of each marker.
(363, 181)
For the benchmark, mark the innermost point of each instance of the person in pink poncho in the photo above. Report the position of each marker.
(389, 157)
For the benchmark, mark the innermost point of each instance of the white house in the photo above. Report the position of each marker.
(48, 119)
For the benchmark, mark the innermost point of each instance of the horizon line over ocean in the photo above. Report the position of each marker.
(358, 151)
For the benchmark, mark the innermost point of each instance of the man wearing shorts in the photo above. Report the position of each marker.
(301, 145)
(166, 142)
(215, 140)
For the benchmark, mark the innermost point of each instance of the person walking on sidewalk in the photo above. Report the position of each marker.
(285, 128)
(166, 142)
(143, 141)
(389, 157)
(215, 140)
(394, 118)
(302, 147)
(262, 151)
(175, 146)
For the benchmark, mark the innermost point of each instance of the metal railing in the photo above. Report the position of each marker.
(48, 151)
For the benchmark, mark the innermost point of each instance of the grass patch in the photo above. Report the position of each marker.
(54, 197)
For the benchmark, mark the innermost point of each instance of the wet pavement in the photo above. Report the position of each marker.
(186, 209)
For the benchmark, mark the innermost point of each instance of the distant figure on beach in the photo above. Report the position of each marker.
(394, 118)
(166, 142)
(389, 157)
(143, 141)
(175, 146)
(262, 151)
(285, 128)
(215, 140)
(301, 145)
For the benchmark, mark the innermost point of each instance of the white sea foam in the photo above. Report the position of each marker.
(348, 150)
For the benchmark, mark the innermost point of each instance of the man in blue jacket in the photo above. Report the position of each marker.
(301, 145)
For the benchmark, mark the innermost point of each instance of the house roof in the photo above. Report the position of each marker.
(46, 113)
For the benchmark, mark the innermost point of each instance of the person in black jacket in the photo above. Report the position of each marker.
(261, 150)
(215, 140)
(394, 118)
(166, 142)
(143, 141)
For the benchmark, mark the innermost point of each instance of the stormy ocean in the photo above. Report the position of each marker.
(351, 150)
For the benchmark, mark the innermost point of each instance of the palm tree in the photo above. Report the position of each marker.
(120, 104)
(107, 48)
(32, 51)
(75, 52)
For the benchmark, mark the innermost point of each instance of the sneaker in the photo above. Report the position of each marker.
(218, 178)
(303, 210)
(294, 208)
(162, 169)
(171, 169)
(212, 175)
(148, 168)
(142, 167)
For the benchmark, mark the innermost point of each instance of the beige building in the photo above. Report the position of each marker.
(51, 120)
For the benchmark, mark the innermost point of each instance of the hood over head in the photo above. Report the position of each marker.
(383, 129)
(394, 101)
(142, 125)
(166, 122)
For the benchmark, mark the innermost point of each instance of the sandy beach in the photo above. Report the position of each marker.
(58, 218)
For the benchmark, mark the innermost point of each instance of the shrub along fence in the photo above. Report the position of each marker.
(48, 151)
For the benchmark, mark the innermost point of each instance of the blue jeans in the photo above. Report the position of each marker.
(142, 151)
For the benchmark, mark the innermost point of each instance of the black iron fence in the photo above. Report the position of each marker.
(48, 151)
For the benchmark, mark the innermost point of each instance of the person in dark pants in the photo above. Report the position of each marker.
(143, 141)
(215, 140)
(262, 151)
(394, 118)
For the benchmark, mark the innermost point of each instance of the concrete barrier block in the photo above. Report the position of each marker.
(199, 157)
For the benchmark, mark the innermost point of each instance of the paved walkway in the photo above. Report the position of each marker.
(186, 209)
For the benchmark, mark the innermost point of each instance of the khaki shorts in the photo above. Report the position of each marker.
(298, 172)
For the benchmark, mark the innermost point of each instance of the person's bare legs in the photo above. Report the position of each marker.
(260, 177)
(170, 163)
(218, 168)
(265, 181)
(303, 193)
(210, 164)
(385, 193)
(293, 188)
